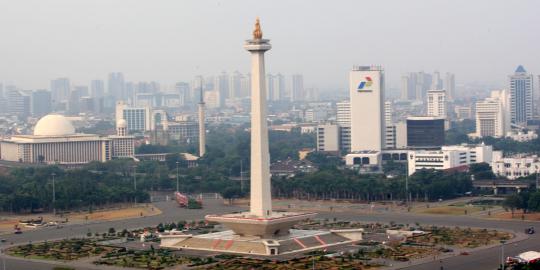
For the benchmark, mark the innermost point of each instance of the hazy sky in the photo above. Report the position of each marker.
(173, 40)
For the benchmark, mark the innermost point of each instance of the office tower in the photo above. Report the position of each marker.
(116, 86)
(183, 91)
(450, 86)
(212, 99)
(328, 138)
(245, 86)
(423, 84)
(41, 103)
(367, 108)
(297, 87)
(436, 103)
(18, 103)
(60, 90)
(406, 89)
(492, 115)
(521, 96)
(436, 81)
(279, 81)
(388, 111)
(97, 88)
(270, 86)
(425, 132)
(138, 119)
(222, 86)
(343, 114)
(235, 84)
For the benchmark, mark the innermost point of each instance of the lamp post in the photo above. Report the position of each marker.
(177, 176)
(53, 193)
(502, 255)
(135, 182)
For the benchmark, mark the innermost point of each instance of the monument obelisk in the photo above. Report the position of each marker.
(261, 201)
(260, 221)
(202, 126)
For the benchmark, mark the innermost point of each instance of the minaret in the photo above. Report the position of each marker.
(202, 127)
(261, 201)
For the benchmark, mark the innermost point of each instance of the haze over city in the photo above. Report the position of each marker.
(169, 41)
(289, 135)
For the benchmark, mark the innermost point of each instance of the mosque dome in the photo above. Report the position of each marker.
(54, 125)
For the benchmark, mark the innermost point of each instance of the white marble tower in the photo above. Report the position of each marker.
(202, 126)
(261, 200)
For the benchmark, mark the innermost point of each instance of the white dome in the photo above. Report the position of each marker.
(53, 125)
(121, 123)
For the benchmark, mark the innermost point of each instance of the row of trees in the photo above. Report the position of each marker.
(346, 184)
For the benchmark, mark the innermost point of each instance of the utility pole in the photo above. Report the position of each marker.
(54, 193)
(177, 181)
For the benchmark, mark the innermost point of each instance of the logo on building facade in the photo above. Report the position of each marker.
(362, 87)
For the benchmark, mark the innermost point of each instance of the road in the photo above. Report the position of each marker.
(487, 259)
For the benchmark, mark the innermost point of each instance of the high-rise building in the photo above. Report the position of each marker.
(436, 81)
(297, 87)
(425, 132)
(18, 103)
(390, 128)
(436, 103)
(328, 138)
(492, 115)
(138, 119)
(276, 87)
(97, 88)
(60, 91)
(521, 96)
(41, 102)
(222, 86)
(116, 86)
(235, 85)
(423, 84)
(343, 115)
(366, 86)
(450, 86)
(408, 87)
(183, 90)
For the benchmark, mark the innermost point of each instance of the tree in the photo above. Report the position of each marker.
(481, 171)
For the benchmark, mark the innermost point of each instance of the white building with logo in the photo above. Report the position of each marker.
(366, 85)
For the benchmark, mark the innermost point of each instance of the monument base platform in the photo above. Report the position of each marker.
(245, 224)
(294, 242)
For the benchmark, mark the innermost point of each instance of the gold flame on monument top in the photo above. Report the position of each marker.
(257, 32)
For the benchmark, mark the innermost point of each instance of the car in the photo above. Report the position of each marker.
(18, 232)
(464, 253)
(3, 240)
(529, 230)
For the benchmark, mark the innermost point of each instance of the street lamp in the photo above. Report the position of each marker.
(53, 193)
(135, 182)
(502, 255)
(177, 181)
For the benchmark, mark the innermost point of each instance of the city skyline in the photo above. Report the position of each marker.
(41, 49)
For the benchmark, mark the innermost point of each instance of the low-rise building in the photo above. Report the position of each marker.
(516, 166)
(521, 136)
(449, 157)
